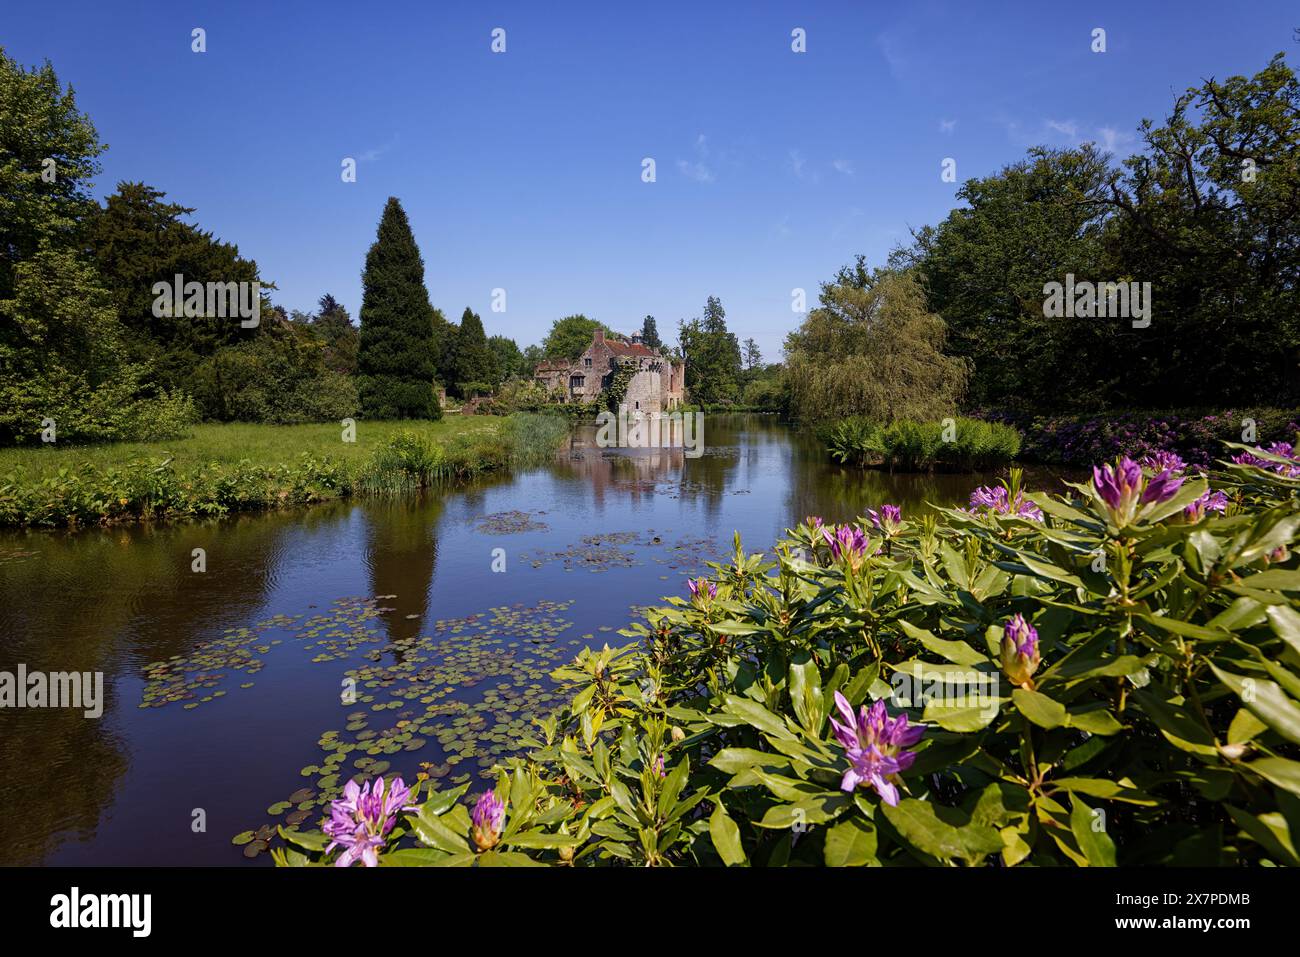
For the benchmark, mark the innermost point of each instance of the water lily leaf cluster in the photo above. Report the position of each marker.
(447, 704)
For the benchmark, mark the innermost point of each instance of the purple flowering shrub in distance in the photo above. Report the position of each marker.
(964, 687)
(1195, 437)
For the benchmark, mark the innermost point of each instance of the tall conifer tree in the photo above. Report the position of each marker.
(396, 356)
(474, 362)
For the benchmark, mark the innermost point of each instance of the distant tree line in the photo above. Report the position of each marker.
(87, 354)
(86, 349)
(1207, 213)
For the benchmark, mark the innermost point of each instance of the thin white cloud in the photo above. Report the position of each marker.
(372, 154)
(800, 167)
(947, 126)
(1065, 128)
(1112, 138)
(891, 48)
(1067, 132)
(843, 166)
(797, 163)
(698, 169)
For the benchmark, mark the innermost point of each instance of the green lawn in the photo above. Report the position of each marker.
(227, 444)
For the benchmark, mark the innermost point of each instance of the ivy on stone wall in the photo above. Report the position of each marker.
(614, 393)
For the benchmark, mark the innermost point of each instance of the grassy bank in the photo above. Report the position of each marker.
(242, 467)
(228, 444)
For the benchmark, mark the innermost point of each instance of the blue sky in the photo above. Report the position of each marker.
(522, 170)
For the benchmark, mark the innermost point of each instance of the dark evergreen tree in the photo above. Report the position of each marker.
(396, 357)
(335, 327)
(138, 239)
(474, 361)
(444, 346)
(331, 316)
(650, 333)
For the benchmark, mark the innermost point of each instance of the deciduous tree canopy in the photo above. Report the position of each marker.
(1208, 214)
(872, 350)
(570, 336)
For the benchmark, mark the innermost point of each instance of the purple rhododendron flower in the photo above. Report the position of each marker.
(875, 745)
(1123, 488)
(1161, 488)
(992, 497)
(702, 590)
(1209, 502)
(1162, 461)
(1118, 485)
(487, 818)
(848, 543)
(1020, 657)
(995, 499)
(1282, 450)
(361, 820)
(888, 519)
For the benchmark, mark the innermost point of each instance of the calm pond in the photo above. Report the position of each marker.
(224, 690)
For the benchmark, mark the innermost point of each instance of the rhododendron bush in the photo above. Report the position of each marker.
(1110, 676)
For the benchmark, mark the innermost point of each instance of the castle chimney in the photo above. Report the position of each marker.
(600, 337)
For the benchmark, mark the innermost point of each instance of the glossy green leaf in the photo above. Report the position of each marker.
(726, 836)
(1038, 708)
(1267, 701)
(1088, 827)
(850, 843)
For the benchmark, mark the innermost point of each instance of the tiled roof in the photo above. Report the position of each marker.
(616, 346)
(628, 349)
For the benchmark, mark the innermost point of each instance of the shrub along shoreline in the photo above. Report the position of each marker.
(955, 444)
(1106, 677)
(222, 469)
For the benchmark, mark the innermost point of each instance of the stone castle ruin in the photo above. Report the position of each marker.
(656, 383)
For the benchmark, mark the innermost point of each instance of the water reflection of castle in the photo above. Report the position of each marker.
(637, 475)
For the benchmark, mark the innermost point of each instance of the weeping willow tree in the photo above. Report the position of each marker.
(872, 349)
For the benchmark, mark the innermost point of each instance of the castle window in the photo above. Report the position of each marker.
(577, 381)
(587, 362)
